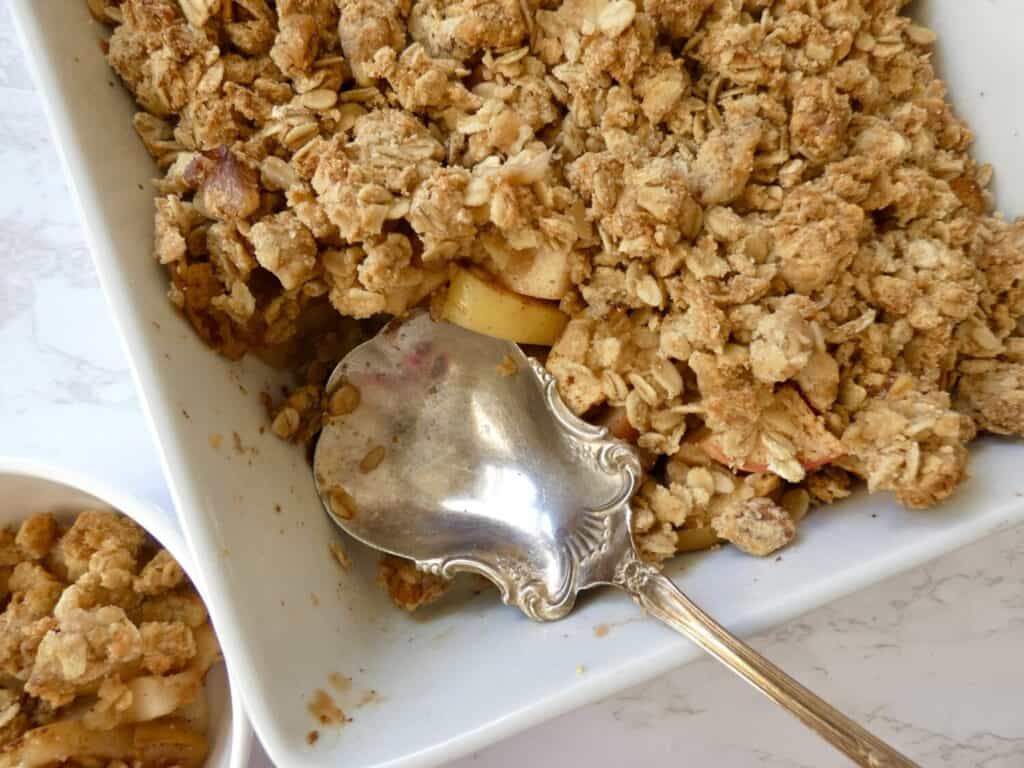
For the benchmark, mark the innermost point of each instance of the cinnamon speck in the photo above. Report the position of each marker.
(312, 737)
(216, 440)
(601, 630)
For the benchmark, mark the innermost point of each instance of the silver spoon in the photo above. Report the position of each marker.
(458, 466)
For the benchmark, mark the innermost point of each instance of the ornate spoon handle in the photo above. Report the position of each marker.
(661, 598)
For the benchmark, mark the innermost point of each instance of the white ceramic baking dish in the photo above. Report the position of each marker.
(27, 488)
(289, 618)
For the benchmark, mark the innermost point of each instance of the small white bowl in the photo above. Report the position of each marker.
(27, 488)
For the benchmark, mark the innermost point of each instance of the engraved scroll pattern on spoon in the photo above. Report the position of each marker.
(590, 534)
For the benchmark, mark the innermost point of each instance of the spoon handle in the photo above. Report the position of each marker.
(661, 598)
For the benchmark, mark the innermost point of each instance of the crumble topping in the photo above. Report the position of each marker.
(104, 646)
(780, 264)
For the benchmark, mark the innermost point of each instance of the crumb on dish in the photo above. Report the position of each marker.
(339, 554)
(323, 707)
(508, 366)
(409, 587)
(339, 681)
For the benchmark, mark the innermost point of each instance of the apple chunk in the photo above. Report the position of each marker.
(543, 274)
(476, 302)
(791, 417)
(618, 424)
(696, 539)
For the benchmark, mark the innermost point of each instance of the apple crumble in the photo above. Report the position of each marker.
(750, 231)
(104, 648)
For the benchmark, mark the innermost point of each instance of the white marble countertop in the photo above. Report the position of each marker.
(932, 659)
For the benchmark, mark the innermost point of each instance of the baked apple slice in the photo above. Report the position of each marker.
(543, 274)
(789, 419)
(477, 302)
